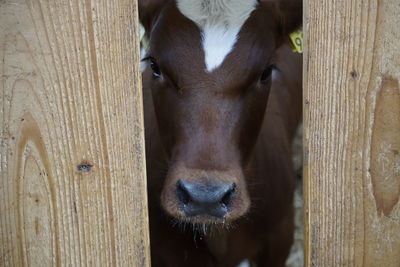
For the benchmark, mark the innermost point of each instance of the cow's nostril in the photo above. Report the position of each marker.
(210, 199)
(183, 194)
(227, 198)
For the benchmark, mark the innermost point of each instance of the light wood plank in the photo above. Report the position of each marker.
(352, 133)
(72, 189)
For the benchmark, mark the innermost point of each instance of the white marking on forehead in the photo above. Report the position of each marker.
(220, 22)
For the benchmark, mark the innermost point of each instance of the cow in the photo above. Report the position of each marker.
(222, 97)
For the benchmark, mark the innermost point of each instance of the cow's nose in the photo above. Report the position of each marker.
(209, 199)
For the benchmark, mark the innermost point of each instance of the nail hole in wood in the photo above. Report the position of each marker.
(84, 167)
(353, 74)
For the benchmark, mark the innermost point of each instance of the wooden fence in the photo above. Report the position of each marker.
(352, 133)
(72, 189)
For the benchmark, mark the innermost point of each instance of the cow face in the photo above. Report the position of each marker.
(210, 68)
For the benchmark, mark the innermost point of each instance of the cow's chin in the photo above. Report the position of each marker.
(225, 222)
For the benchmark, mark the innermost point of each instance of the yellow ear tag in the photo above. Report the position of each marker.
(144, 43)
(296, 39)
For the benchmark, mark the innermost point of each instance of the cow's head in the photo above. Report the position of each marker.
(210, 69)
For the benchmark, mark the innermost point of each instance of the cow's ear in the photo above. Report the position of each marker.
(288, 13)
(148, 12)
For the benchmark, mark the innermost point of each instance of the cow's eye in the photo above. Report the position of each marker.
(155, 68)
(266, 73)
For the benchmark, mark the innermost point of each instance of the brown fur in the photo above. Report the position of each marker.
(218, 127)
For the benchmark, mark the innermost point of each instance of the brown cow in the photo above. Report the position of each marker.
(220, 176)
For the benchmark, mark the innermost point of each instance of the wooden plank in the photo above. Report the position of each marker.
(352, 133)
(73, 189)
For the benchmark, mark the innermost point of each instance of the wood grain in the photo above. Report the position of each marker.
(73, 188)
(352, 133)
